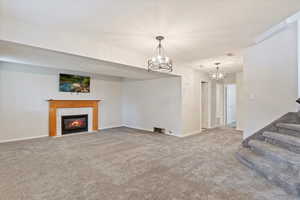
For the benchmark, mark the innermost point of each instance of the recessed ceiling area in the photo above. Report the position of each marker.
(124, 31)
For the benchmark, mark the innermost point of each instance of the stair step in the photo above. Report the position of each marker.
(283, 178)
(295, 127)
(288, 128)
(285, 141)
(276, 154)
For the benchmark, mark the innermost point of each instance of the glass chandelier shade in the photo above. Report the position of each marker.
(160, 62)
(217, 75)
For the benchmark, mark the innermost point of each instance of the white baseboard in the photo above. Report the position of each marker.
(138, 128)
(21, 139)
(108, 127)
(144, 129)
(190, 133)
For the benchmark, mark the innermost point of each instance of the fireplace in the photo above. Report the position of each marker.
(74, 123)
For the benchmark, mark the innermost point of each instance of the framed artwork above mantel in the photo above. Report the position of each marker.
(74, 83)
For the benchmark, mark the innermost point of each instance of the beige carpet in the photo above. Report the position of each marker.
(122, 163)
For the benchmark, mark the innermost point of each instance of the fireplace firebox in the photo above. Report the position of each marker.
(74, 124)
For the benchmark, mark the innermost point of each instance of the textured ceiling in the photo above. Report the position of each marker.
(228, 63)
(194, 29)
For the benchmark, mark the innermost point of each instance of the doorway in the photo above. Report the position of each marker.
(204, 106)
(230, 105)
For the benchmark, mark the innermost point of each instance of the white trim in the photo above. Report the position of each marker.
(73, 134)
(293, 18)
(277, 28)
(133, 127)
(150, 130)
(22, 139)
(109, 127)
(272, 31)
(143, 129)
(139, 128)
(189, 134)
(298, 59)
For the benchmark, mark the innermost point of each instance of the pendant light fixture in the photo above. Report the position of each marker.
(217, 75)
(160, 62)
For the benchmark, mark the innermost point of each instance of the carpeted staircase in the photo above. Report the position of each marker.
(274, 153)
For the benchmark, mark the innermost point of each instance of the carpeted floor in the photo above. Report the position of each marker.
(122, 163)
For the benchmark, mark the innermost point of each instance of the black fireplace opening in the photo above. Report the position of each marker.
(74, 124)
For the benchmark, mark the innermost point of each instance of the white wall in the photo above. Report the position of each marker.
(217, 100)
(25, 89)
(205, 105)
(141, 104)
(230, 79)
(298, 49)
(191, 99)
(220, 103)
(153, 103)
(231, 99)
(213, 105)
(270, 79)
(240, 101)
(137, 95)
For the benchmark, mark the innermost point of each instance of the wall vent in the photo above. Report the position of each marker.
(159, 130)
